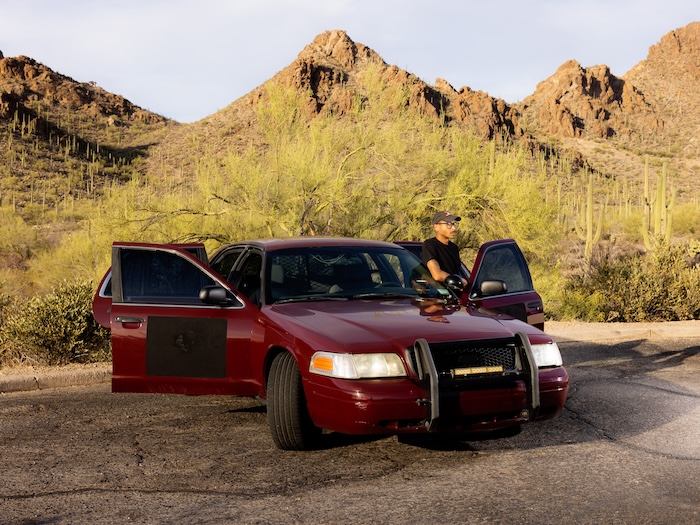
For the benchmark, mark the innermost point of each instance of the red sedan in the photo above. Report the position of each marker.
(347, 335)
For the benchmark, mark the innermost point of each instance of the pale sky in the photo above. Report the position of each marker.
(187, 59)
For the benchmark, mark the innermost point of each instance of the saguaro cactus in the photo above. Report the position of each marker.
(586, 217)
(657, 219)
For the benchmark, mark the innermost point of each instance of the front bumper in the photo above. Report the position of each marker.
(402, 405)
(554, 388)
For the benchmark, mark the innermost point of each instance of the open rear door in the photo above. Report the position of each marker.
(164, 338)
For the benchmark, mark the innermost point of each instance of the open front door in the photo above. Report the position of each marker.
(503, 261)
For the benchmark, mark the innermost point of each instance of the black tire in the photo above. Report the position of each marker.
(290, 424)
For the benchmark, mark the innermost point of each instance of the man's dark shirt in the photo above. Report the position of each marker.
(446, 255)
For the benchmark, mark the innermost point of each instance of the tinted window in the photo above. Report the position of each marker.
(224, 264)
(248, 280)
(160, 277)
(505, 263)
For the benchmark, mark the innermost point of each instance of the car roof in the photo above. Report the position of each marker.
(314, 242)
(409, 243)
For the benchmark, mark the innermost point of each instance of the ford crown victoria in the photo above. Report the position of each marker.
(343, 335)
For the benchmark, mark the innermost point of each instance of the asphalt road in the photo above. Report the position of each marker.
(626, 449)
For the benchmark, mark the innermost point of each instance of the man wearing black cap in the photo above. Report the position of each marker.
(440, 254)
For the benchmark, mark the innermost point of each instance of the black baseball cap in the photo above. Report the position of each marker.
(445, 216)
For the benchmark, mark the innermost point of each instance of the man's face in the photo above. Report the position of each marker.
(446, 230)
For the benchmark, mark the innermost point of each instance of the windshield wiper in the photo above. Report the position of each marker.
(306, 298)
(383, 295)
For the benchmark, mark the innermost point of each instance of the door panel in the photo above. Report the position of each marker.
(164, 339)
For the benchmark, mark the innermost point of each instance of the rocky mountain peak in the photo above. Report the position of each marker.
(669, 79)
(337, 47)
(332, 68)
(586, 102)
(679, 49)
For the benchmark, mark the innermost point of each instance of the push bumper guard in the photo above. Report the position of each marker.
(429, 375)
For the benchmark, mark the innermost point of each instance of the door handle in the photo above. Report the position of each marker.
(128, 319)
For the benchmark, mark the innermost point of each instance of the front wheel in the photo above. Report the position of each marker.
(290, 424)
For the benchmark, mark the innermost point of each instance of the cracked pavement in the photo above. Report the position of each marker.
(625, 450)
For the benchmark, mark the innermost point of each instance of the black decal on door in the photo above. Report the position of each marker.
(186, 347)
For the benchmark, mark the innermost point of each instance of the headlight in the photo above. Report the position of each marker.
(547, 355)
(356, 366)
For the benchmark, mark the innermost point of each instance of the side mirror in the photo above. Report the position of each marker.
(215, 295)
(454, 282)
(490, 288)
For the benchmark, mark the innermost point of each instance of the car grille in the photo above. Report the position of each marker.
(495, 356)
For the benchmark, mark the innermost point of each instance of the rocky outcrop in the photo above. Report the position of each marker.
(333, 69)
(587, 102)
(656, 105)
(25, 82)
(670, 80)
(677, 53)
(51, 117)
(487, 115)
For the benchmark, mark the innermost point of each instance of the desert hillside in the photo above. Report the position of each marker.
(654, 109)
(610, 120)
(341, 143)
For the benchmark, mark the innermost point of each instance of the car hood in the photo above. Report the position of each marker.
(368, 325)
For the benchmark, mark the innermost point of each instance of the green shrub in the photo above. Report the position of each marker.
(582, 304)
(57, 328)
(663, 285)
(686, 219)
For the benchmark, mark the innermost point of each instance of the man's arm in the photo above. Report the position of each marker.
(436, 272)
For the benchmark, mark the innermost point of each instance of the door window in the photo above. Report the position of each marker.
(248, 282)
(225, 263)
(160, 277)
(506, 263)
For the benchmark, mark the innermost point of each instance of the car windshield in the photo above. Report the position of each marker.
(347, 272)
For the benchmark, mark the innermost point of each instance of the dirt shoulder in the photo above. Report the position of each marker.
(579, 331)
